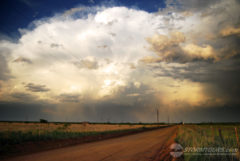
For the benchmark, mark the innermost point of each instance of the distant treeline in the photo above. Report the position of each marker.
(84, 122)
(126, 123)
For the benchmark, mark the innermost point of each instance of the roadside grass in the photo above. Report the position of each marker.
(17, 137)
(18, 132)
(208, 136)
(11, 138)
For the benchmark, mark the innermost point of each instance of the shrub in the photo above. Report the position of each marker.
(43, 121)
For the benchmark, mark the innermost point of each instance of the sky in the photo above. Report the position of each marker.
(120, 61)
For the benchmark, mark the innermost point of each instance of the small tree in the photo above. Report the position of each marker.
(43, 121)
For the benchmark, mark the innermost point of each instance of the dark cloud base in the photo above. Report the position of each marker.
(112, 112)
(220, 78)
(15, 111)
(227, 113)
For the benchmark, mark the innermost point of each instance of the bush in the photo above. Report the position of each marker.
(43, 121)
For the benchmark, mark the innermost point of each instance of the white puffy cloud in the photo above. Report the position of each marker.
(86, 55)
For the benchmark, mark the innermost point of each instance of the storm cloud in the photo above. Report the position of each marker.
(22, 111)
(119, 64)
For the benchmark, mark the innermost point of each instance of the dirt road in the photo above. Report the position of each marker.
(140, 147)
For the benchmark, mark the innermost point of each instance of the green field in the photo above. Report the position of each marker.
(208, 138)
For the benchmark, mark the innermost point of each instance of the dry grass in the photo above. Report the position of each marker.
(80, 127)
(12, 133)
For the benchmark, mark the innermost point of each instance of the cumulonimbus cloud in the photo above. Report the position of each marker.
(95, 53)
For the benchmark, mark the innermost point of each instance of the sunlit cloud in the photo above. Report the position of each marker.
(229, 31)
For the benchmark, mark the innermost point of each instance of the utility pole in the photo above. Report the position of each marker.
(168, 118)
(157, 116)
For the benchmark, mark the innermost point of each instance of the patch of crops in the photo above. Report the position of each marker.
(207, 137)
